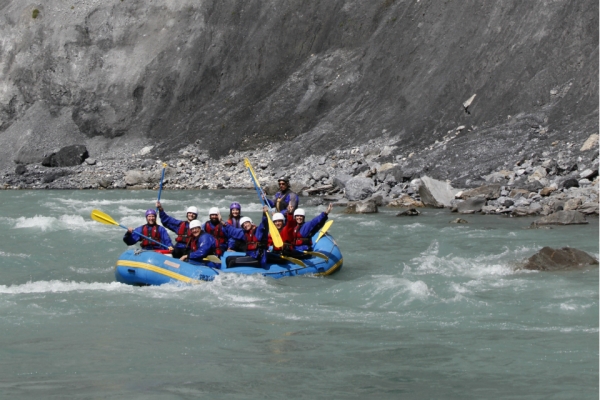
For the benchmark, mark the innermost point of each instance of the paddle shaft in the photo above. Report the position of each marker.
(146, 237)
(162, 178)
(277, 241)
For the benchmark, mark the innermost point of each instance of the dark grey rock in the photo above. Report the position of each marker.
(20, 169)
(569, 183)
(549, 259)
(459, 221)
(411, 212)
(68, 156)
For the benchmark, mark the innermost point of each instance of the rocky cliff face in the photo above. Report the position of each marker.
(118, 75)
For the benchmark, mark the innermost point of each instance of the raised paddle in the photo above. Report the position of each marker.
(162, 178)
(106, 219)
(324, 229)
(277, 241)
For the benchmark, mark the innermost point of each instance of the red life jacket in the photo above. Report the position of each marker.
(192, 243)
(154, 234)
(217, 233)
(183, 233)
(251, 240)
(298, 239)
(235, 222)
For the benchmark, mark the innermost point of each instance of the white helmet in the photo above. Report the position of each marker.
(192, 210)
(278, 217)
(243, 220)
(196, 224)
(213, 210)
(299, 211)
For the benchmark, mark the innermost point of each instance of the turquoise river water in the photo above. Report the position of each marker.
(422, 309)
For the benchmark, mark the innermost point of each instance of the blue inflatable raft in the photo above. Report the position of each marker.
(141, 268)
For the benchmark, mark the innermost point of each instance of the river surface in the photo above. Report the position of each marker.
(422, 309)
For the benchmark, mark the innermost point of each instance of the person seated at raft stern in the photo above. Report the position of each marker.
(181, 228)
(249, 239)
(235, 210)
(198, 245)
(151, 230)
(284, 197)
(214, 227)
(301, 232)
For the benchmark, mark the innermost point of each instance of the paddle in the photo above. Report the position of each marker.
(324, 229)
(290, 259)
(212, 258)
(106, 219)
(317, 254)
(162, 178)
(277, 241)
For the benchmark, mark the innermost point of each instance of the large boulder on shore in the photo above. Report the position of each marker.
(549, 259)
(562, 218)
(490, 192)
(359, 188)
(436, 193)
(68, 156)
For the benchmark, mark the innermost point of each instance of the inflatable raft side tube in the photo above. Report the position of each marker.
(158, 270)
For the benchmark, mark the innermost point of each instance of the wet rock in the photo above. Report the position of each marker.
(359, 188)
(549, 259)
(562, 218)
(68, 156)
(459, 221)
(436, 193)
(471, 205)
(361, 207)
(411, 212)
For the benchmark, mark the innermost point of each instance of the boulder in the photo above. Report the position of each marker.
(20, 169)
(405, 201)
(549, 259)
(471, 205)
(361, 207)
(589, 174)
(411, 212)
(105, 182)
(68, 156)
(436, 193)
(569, 183)
(341, 179)
(547, 191)
(515, 193)
(459, 221)
(391, 170)
(590, 142)
(134, 177)
(319, 174)
(588, 208)
(572, 204)
(359, 188)
(490, 192)
(562, 218)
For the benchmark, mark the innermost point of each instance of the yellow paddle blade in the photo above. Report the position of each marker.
(249, 166)
(324, 229)
(211, 258)
(277, 241)
(103, 218)
(317, 254)
(294, 261)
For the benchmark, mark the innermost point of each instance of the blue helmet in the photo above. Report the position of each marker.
(235, 205)
(150, 212)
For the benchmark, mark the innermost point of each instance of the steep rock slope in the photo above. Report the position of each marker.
(319, 75)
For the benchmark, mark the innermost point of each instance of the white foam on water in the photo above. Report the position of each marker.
(63, 287)
(4, 254)
(87, 271)
(414, 226)
(387, 290)
(369, 223)
(44, 223)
